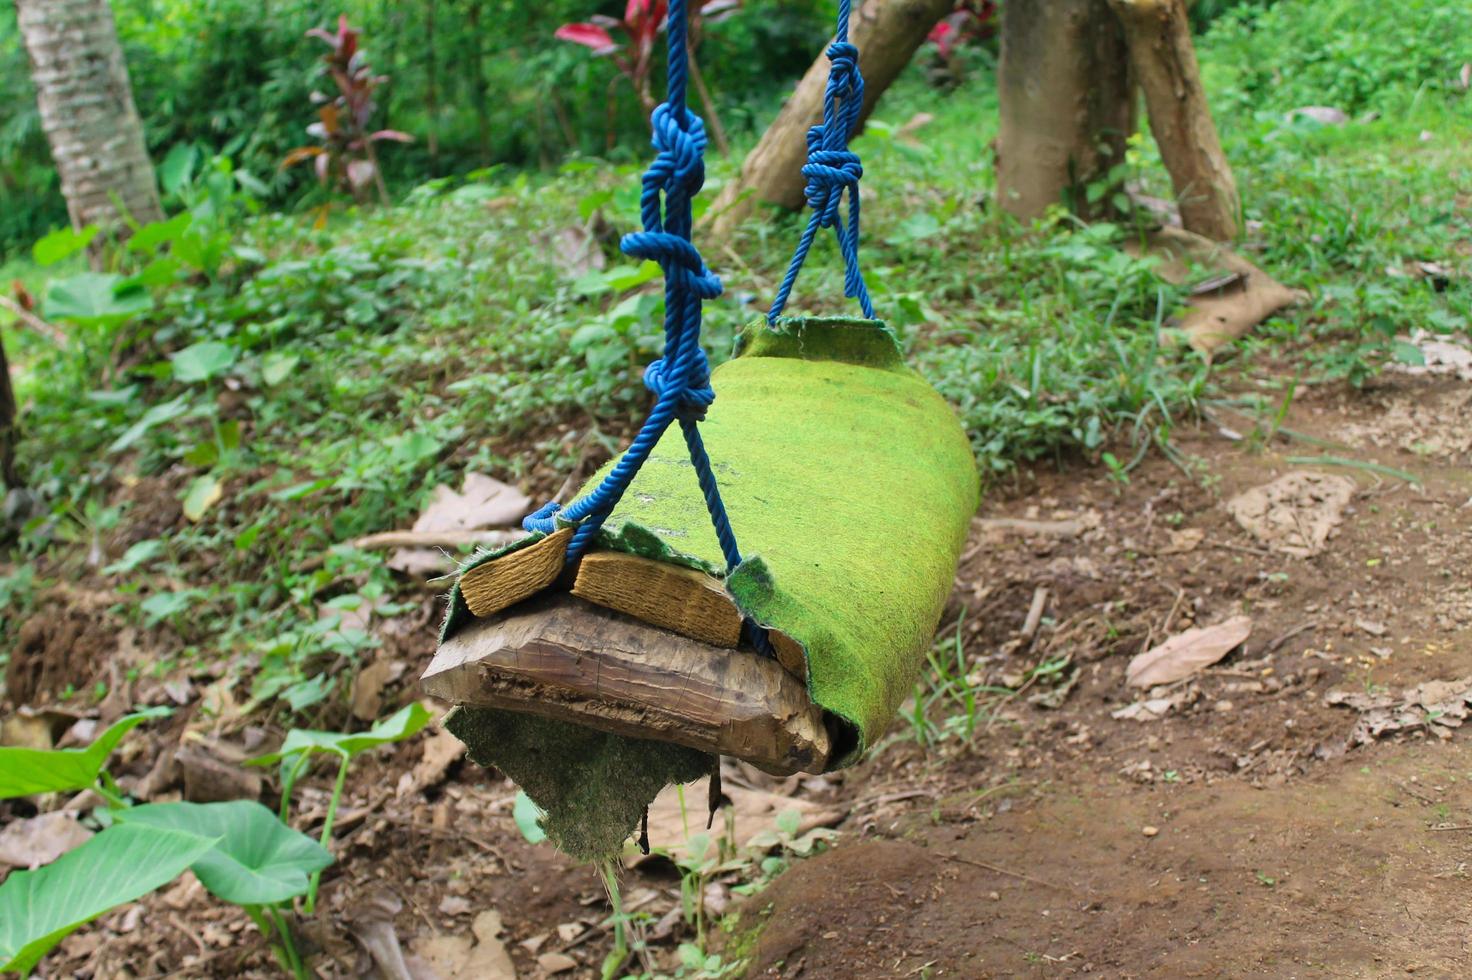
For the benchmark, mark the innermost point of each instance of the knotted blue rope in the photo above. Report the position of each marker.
(680, 380)
(833, 170)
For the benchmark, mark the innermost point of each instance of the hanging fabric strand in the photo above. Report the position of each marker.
(680, 379)
(833, 169)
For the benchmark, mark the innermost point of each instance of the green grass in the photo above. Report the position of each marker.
(393, 350)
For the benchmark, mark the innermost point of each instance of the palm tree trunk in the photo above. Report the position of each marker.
(87, 112)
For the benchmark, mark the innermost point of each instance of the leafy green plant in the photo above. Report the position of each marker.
(346, 158)
(27, 771)
(301, 744)
(257, 861)
(40, 908)
(240, 851)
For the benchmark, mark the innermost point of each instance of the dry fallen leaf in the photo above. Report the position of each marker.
(440, 751)
(555, 963)
(671, 825)
(1436, 706)
(482, 502)
(461, 958)
(1151, 710)
(1185, 653)
(368, 689)
(1296, 513)
(40, 839)
(373, 927)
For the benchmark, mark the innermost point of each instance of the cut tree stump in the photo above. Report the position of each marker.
(561, 657)
(1164, 60)
(887, 34)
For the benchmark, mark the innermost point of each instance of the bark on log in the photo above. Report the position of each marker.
(87, 111)
(1164, 61)
(557, 656)
(9, 431)
(1067, 104)
(887, 34)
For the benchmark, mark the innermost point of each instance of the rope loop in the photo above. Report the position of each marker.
(680, 380)
(833, 171)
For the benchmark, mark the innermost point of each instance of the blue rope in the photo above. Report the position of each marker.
(832, 169)
(680, 380)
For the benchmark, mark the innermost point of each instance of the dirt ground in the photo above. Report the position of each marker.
(1287, 812)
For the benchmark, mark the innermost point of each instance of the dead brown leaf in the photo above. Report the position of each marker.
(483, 957)
(672, 823)
(1435, 706)
(1296, 513)
(373, 928)
(41, 839)
(1185, 653)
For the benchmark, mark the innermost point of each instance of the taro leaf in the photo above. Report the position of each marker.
(258, 860)
(62, 243)
(395, 728)
(276, 368)
(202, 361)
(94, 298)
(24, 771)
(39, 908)
(528, 817)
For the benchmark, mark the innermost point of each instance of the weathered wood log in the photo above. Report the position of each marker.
(672, 597)
(561, 657)
(887, 34)
(1067, 104)
(1164, 60)
(502, 583)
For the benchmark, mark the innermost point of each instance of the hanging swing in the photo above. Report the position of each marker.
(622, 646)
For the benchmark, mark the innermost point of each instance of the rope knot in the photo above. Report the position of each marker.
(680, 143)
(694, 396)
(829, 174)
(680, 260)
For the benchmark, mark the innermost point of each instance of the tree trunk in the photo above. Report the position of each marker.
(478, 83)
(887, 34)
(1067, 104)
(87, 112)
(1165, 62)
(9, 477)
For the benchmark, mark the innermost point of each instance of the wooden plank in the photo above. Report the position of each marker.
(559, 656)
(672, 597)
(501, 584)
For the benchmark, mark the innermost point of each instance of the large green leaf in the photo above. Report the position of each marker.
(202, 361)
(395, 728)
(62, 243)
(101, 298)
(39, 908)
(24, 771)
(258, 859)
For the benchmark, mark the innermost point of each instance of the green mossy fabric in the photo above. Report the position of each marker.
(850, 485)
(593, 786)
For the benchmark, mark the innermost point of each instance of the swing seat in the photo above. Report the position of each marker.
(852, 486)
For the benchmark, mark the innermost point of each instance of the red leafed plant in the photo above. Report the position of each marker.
(344, 156)
(972, 20)
(643, 20)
